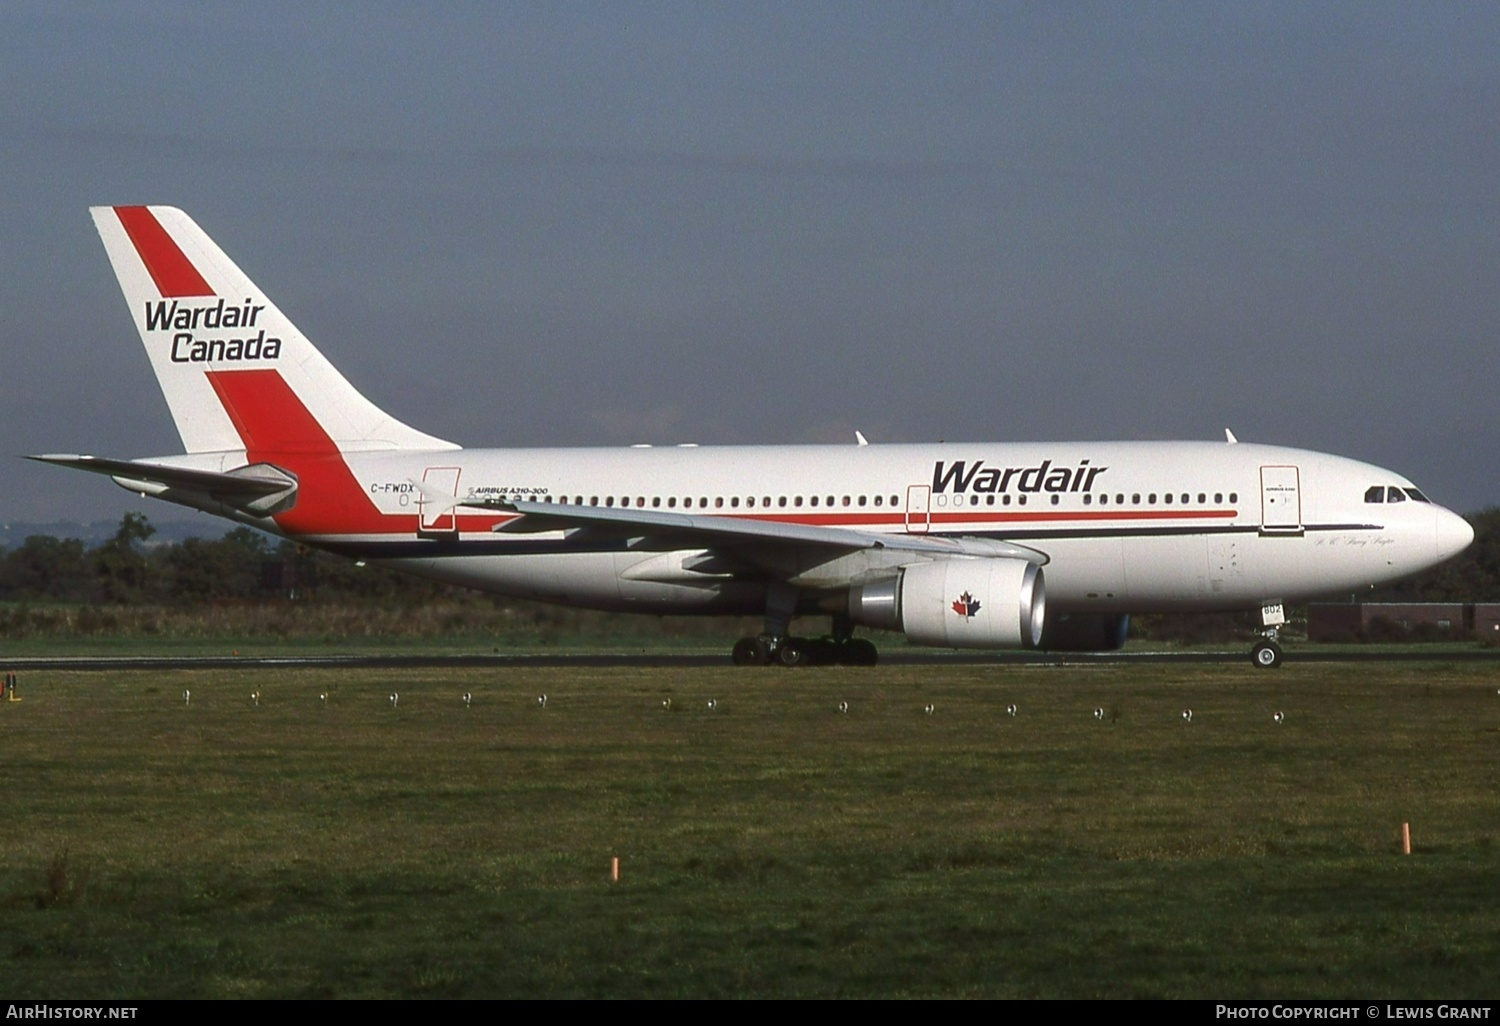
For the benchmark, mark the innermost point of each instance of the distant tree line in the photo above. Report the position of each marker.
(242, 566)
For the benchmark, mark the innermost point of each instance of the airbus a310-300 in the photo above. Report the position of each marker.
(972, 546)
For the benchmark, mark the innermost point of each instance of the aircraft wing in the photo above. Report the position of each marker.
(259, 488)
(700, 529)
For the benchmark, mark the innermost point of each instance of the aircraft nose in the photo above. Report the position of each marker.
(1454, 534)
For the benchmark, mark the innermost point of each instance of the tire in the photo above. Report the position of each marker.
(748, 652)
(822, 652)
(793, 652)
(859, 652)
(1266, 655)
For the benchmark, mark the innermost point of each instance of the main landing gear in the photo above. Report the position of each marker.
(768, 651)
(774, 646)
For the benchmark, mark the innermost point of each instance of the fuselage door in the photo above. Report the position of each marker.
(439, 518)
(1280, 500)
(918, 516)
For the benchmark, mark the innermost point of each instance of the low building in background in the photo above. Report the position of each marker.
(1394, 621)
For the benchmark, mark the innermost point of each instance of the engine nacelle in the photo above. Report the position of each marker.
(958, 603)
(1085, 632)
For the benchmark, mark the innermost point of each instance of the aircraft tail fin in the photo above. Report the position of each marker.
(236, 373)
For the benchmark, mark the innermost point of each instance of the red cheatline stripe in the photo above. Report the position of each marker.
(172, 271)
(977, 517)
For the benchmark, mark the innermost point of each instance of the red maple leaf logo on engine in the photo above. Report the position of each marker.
(966, 605)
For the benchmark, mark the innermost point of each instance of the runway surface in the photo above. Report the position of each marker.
(645, 660)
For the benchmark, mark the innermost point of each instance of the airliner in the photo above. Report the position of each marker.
(967, 546)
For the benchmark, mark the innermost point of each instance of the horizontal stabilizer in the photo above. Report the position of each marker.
(258, 488)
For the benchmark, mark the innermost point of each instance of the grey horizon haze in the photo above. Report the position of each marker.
(608, 223)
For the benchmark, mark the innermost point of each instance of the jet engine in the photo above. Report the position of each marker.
(957, 603)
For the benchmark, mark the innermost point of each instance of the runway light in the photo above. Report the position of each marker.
(1099, 714)
(930, 709)
(1010, 710)
(323, 697)
(843, 707)
(1187, 716)
(395, 699)
(1278, 716)
(255, 698)
(666, 704)
(541, 701)
(468, 698)
(187, 696)
(713, 703)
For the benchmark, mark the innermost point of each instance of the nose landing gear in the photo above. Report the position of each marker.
(1266, 653)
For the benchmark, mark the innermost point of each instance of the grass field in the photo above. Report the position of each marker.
(771, 846)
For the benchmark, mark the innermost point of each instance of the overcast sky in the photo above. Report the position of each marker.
(564, 224)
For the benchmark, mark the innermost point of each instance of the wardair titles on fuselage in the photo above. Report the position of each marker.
(186, 321)
(965, 476)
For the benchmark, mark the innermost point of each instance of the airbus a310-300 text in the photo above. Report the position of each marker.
(985, 546)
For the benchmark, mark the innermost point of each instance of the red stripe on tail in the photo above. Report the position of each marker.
(276, 428)
(169, 267)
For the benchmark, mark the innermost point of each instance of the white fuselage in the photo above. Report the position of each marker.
(1123, 526)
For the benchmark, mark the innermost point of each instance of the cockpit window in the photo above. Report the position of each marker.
(1394, 495)
(1375, 493)
(1418, 496)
